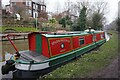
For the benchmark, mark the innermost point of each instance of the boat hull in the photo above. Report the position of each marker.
(34, 74)
(53, 64)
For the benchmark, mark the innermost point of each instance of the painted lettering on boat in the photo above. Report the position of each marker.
(62, 50)
(59, 45)
(61, 40)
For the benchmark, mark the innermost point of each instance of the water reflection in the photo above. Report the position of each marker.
(8, 48)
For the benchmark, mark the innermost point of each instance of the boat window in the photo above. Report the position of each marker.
(94, 38)
(81, 40)
(101, 36)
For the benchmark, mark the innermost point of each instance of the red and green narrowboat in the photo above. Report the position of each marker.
(51, 49)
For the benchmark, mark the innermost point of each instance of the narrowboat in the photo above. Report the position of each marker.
(48, 49)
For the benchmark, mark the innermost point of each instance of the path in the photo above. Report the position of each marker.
(7, 76)
(111, 71)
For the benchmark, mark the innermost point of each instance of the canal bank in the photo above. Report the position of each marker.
(13, 36)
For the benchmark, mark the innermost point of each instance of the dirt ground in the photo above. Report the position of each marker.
(110, 71)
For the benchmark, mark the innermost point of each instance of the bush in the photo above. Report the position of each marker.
(48, 28)
(75, 27)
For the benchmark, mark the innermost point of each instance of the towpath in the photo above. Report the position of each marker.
(111, 71)
(7, 76)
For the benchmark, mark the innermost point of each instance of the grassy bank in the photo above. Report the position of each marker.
(88, 63)
(18, 29)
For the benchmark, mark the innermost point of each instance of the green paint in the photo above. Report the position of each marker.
(61, 60)
(48, 46)
(74, 53)
(38, 43)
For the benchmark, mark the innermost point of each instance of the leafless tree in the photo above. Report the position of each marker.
(22, 11)
(100, 9)
(67, 6)
(58, 6)
(76, 7)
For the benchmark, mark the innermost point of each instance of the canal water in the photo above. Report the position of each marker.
(6, 47)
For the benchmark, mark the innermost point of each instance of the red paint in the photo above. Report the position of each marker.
(56, 46)
(76, 43)
(32, 42)
(59, 46)
(45, 50)
(12, 43)
(98, 37)
(88, 39)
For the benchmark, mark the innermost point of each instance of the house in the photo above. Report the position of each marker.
(31, 8)
(72, 16)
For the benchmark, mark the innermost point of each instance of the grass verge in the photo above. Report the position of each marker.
(19, 29)
(96, 60)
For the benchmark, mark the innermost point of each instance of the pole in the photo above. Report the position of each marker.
(36, 20)
(12, 43)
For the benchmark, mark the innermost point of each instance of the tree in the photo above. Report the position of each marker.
(7, 18)
(75, 27)
(82, 8)
(98, 16)
(82, 19)
(53, 20)
(20, 10)
(65, 21)
(113, 25)
(57, 17)
(97, 21)
(43, 14)
(118, 21)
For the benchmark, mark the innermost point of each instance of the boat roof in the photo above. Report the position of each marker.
(69, 34)
(64, 34)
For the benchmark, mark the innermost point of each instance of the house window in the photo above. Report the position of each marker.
(81, 40)
(36, 7)
(43, 8)
(28, 3)
(35, 14)
(29, 12)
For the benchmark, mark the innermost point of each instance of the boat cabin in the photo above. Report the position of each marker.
(53, 44)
